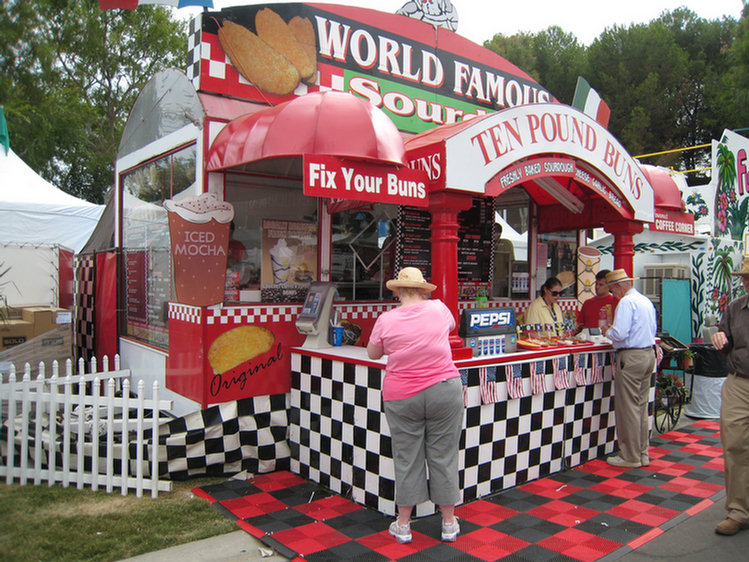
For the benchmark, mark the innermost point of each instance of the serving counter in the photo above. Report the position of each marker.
(555, 412)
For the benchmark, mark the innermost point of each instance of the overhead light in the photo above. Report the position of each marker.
(560, 193)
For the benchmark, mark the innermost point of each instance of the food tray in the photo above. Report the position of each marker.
(533, 346)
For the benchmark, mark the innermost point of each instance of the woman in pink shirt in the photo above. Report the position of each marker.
(423, 401)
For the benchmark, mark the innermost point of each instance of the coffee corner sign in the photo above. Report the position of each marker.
(673, 221)
(336, 178)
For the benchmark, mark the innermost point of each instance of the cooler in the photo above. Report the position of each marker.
(488, 331)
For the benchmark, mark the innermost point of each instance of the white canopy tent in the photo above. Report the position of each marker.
(33, 211)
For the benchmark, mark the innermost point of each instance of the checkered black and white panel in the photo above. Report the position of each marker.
(589, 429)
(510, 441)
(339, 436)
(244, 435)
(85, 275)
(194, 51)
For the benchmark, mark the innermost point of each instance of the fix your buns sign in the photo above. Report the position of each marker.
(420, 75)
(335, 178)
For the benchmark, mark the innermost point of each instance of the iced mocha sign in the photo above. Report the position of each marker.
(421, 76)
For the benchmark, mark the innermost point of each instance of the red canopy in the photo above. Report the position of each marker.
(666, 193)
(325, 123)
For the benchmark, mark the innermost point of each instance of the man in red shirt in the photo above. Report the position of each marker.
(598, 311)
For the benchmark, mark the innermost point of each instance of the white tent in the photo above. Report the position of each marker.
(33, 211)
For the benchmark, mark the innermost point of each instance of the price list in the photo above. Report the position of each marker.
(475, 233)
(136, 285)
(413, 239)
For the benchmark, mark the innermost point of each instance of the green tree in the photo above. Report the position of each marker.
(553, 57)
(71, 72)
(638, 71)
(706, 45)
(733, 96)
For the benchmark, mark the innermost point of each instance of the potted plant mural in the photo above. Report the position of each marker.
(730, 212)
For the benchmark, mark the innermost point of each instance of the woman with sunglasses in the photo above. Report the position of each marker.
(545, 311)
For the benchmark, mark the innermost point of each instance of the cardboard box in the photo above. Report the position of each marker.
(45, 318)
(15, 332)
(55, 345)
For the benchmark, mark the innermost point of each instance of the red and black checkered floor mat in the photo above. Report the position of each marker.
(588, 513)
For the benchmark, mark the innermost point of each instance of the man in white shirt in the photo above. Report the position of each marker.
(633, 336)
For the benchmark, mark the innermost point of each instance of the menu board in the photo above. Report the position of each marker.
(414, 248)
(476, 233)
(135, 262)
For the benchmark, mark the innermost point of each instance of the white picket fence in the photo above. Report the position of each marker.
(49, 421)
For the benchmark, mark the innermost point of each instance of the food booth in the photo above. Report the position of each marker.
(403, 146)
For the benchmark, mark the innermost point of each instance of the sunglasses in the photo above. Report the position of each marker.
(556, 293)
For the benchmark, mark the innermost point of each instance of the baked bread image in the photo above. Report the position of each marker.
(238, 345)
(256, 60)
(273, 30)
(305, 34)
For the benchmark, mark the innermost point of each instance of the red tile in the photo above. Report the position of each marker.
(621, 488)
(563, 513)
(253, 505)
(277, 480)
(692, 487)
(485, 513)
(310, 538)
(549, 488)
(329, 507)
(704, 450)
(489, 544)
(579, 544)
(642, 512)
(386, 545)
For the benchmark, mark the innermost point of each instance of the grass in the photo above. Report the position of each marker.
(43, 524)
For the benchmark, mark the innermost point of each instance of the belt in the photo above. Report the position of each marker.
(652, 347)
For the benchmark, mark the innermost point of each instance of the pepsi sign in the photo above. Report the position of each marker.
(487, 321)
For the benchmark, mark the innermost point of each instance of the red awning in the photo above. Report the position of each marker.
(666, 193)
(324, 123)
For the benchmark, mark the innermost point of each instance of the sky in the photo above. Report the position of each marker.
(480, 20)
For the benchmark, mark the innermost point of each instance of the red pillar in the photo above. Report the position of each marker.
(624, 252)
(444, 208)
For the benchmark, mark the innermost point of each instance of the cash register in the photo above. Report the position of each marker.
(314, 319)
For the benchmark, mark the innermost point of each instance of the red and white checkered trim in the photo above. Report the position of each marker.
(363, 311)
(261, 314)
(287, 313)
(185, 313)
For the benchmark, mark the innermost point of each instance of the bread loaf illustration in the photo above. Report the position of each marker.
(256, 60)
(238, 345)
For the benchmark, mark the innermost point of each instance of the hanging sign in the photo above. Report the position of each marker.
(328, 176)
(673, 221)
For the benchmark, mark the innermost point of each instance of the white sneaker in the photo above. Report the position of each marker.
(450, 531)
(402, 533)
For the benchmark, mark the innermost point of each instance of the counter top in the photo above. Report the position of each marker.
(358, 354)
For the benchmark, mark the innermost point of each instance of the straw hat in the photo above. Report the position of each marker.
(744, 269)
(410, 277)
(618, 276)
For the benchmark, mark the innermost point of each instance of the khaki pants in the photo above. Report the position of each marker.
(734, 433)
(631, 397)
